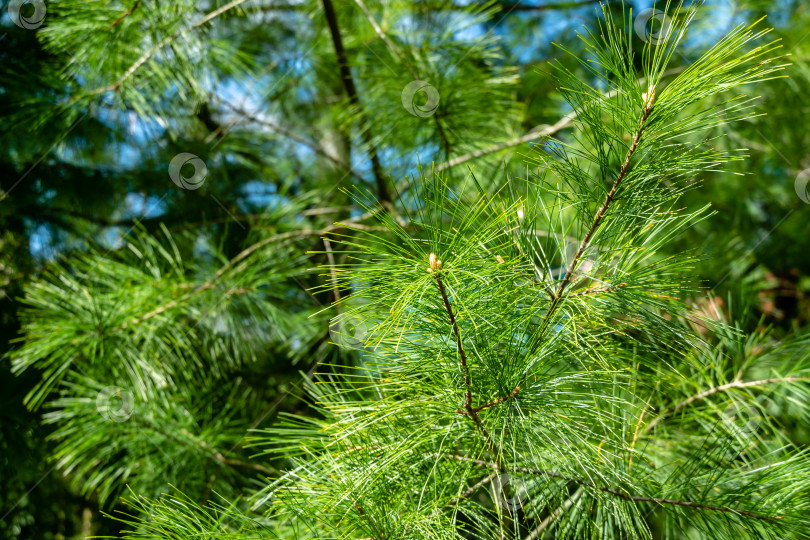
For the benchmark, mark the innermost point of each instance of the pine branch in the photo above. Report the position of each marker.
(597, 220)
(297, 138)
(622, 494)
(231, 265)
(557, 296)
(125, 14)
(718, 389)
(435, 269)
(533, 134)
(157, 48)
(600, 214)
(415, 74)
(351, 92)
(554, 515)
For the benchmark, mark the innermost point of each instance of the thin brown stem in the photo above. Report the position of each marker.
(496, 401)
(597, 290)
(622, 494)
(126, 14)
(597, 220)
(351, 92)
(554, 515)
(459, 344)
(468, 410)
(415, 74)
(717, 389)
(473, 489)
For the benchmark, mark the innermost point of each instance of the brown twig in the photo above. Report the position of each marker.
(415, 74)
(496, 401)
(717, 389)
(456, 332)
(126, 14)
(351, 92)
(622, 494)
(473, 489)
(435, 269)
(157, 47)
(597, 290)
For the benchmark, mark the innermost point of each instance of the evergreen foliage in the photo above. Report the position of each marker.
(499, 398)
(494, 351)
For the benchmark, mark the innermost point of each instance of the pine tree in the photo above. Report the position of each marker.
(514, 383)
(525, 361)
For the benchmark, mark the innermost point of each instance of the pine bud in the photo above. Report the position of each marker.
(648, 96)
(499, 259)
(435, 264)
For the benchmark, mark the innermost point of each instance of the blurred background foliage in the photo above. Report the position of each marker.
(98, 100)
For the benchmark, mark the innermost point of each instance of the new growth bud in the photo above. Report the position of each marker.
(435, 264)
(648, 96)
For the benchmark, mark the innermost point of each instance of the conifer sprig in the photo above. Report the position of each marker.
(551, 357)
(529, 363)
